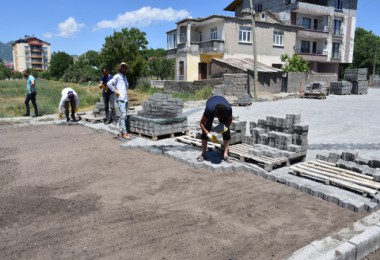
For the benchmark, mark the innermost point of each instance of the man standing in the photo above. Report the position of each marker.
(108, 97)
(69, 97)
(216, 106)
(119, 85)
(31, 93)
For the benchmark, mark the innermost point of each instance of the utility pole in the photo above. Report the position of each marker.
(374, 63)
(255, 82)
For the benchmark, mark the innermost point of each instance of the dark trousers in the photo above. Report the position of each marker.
(31, 97)
(109, 102)
(73, 105)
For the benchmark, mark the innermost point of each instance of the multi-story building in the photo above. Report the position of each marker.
(31, 53)
(196, 42)
(328, 34)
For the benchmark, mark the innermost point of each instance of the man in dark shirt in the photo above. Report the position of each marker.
(216, 106)
(108, 97)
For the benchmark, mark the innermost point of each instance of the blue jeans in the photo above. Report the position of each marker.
(123, 107)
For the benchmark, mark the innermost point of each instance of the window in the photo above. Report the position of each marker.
(259, 8)
(278, 38)
(182, 35)
(339, 4)
(200, 36)
(337, 26)
(244, 34)
(214, 33)
(306, 23)
(335, 50)
(26, 47)
(305, 47)
(172, 40)
(181, 68)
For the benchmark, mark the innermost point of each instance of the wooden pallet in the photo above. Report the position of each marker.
(197, 142)
(314, 95)
(159, 137)
(91, 118)
(332, 175)
(241, 151)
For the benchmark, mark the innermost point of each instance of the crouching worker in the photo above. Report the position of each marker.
(216, 106)
(69, 98)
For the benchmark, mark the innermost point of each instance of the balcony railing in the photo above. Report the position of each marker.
(211, 46)
(324, 29)
(311, 52)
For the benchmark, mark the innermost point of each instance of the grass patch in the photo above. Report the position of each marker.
(12, 96)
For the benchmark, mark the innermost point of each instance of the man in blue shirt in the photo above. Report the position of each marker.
(108, 97)
(216, 106)
(31, 93)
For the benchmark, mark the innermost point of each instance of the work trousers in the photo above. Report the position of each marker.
(123, 123)
(28, 98)
(73, 106)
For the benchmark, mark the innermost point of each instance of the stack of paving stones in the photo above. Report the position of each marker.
(351, 161)
(99, 110)
(341, 88)
(243, 100)
(375, 81)
(280, 137)
(160, 115)
(316, 87)
(238, 131)
(358, 78)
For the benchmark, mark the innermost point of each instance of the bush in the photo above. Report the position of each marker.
(204, 93)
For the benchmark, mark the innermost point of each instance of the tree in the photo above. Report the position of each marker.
(81, 72)
(60, 61)
(5, 72)
(162, 68)
(294, 64)
(92, 57)
(126, 45)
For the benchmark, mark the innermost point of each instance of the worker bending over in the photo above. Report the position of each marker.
(69, 98)
(216, 106)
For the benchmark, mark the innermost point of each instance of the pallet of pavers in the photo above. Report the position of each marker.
(345, 170)
(242, 152)
(197, 142)
(332, 175)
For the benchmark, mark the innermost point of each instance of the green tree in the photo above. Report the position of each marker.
(81, 72)
(92, 57)
(294, 64)
(5, 72)
(162, 68)
(126, 45)
(60, 61)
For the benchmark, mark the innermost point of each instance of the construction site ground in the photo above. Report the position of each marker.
(69, 191)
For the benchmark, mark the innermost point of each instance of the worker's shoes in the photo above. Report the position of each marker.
(67, 119)
(26, 114)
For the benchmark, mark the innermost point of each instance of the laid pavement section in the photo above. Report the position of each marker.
(336, 124)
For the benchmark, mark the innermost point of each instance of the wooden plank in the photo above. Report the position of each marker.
(321, 163)
(334, 181)
(359, 182)
(197, 142)
(338, 170)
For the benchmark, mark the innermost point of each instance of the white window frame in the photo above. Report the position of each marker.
(245, 34)
(214, 33)
(278, 38)
(172, 41)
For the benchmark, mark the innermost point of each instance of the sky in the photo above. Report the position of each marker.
(77, 26)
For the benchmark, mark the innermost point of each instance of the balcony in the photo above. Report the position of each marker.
(310, 55)
(313, 33)
(206, 47)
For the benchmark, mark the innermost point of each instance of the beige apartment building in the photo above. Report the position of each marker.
(31, 53)
(322, 31)
(328, 28)
(196, 42)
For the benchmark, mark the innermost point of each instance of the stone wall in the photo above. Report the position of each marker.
(295, 78)
(173, 86)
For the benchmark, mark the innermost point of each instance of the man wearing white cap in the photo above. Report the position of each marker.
(119, 85)
(69, 97)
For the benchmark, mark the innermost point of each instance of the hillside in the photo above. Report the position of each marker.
(6, 52)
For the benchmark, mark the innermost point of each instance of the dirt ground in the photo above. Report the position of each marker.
(69, 192)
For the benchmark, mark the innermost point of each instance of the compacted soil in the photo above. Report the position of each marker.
(69, 192)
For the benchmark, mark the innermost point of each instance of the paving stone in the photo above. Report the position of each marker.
(366, 242)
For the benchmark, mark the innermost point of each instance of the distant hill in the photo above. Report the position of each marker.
(6, 52)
